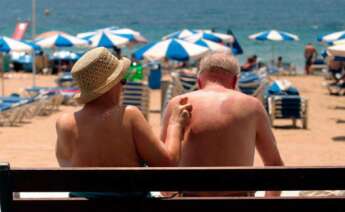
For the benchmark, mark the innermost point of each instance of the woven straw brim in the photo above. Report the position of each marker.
(112, 80)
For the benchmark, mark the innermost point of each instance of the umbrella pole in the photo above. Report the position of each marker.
(2, 73)
(33, 30)
(272, 54)
(33, 69)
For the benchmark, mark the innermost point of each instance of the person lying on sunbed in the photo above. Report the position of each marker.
(105, 134)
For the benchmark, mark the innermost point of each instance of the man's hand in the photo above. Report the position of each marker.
(181, 114)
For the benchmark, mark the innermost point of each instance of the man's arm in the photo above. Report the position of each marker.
(150, 148)
(63, 150)
(266, 144)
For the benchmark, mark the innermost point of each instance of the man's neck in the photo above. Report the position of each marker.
(216, 87)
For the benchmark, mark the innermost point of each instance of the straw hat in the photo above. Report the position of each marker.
(96, 72)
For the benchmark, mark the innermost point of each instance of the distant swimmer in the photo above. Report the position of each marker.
(310, 54)
(46, 12)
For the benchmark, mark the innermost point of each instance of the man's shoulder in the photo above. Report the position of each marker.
(247, 101)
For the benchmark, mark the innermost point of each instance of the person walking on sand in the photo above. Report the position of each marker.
(226, 125)
(310, 54)
(105, 134)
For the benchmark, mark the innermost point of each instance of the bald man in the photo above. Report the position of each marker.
(226, 125)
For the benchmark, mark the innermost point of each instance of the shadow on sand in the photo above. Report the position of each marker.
(339, 138)
(340, 121)
(339, 108)
(287, 127)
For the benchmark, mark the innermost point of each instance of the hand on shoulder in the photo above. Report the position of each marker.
(181, 113)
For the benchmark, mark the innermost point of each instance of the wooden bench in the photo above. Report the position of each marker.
(172, 179)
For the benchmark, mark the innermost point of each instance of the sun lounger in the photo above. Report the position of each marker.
(286, 103)
(136, 94)
(11, 113)
(336, 88)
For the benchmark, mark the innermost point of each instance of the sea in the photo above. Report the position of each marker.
(156, 18)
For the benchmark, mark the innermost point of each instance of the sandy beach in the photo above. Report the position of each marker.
(32, 143)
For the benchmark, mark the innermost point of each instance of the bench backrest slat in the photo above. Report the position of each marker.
(174, 205)
(176, 179)
(171, 179)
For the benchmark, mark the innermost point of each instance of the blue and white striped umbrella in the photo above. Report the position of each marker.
(173, 49)
(214, 36)
(274, 35)
(201, 34)
(65, 55)
(62, 40)
(213, 46)
(10, 45)
(183, 34)
(329, 38)
(107, 39)
(336, 51)
(337, 42)
(129, 34)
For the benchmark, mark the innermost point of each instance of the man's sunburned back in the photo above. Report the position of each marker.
(100, 138)
(222, 130)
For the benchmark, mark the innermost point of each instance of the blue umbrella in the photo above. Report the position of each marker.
(331, 37)
(62, 40)
(65, 55)
(10, 45)
(213, 46)
(274, 35)
(185, 33)
(108, 39)
(173, 49)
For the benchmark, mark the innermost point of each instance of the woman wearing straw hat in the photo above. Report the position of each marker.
(103, 133)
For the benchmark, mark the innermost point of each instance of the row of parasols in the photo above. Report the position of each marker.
(181, 45)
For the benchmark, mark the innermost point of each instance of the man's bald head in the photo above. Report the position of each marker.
(219, 61)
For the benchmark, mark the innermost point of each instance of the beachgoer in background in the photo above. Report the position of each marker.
(249, 65)
(310, 54)
(226, 125)
(105, 134)
(117, 52)
(280, 62)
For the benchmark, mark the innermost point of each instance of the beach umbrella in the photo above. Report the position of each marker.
(107, 39)
(61, 40)
(213, 46)
(182, 34)
(337, 42)
(274, 35)
(65, 55)
(214, 36)
(133, 36)
(201, 34)
(173, 49)
(10, 45)
(137, 37)
(337, 51)
(329, 38)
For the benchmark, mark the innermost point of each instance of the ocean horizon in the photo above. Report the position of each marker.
(156, 18)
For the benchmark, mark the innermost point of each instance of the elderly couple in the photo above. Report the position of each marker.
(213, 126)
